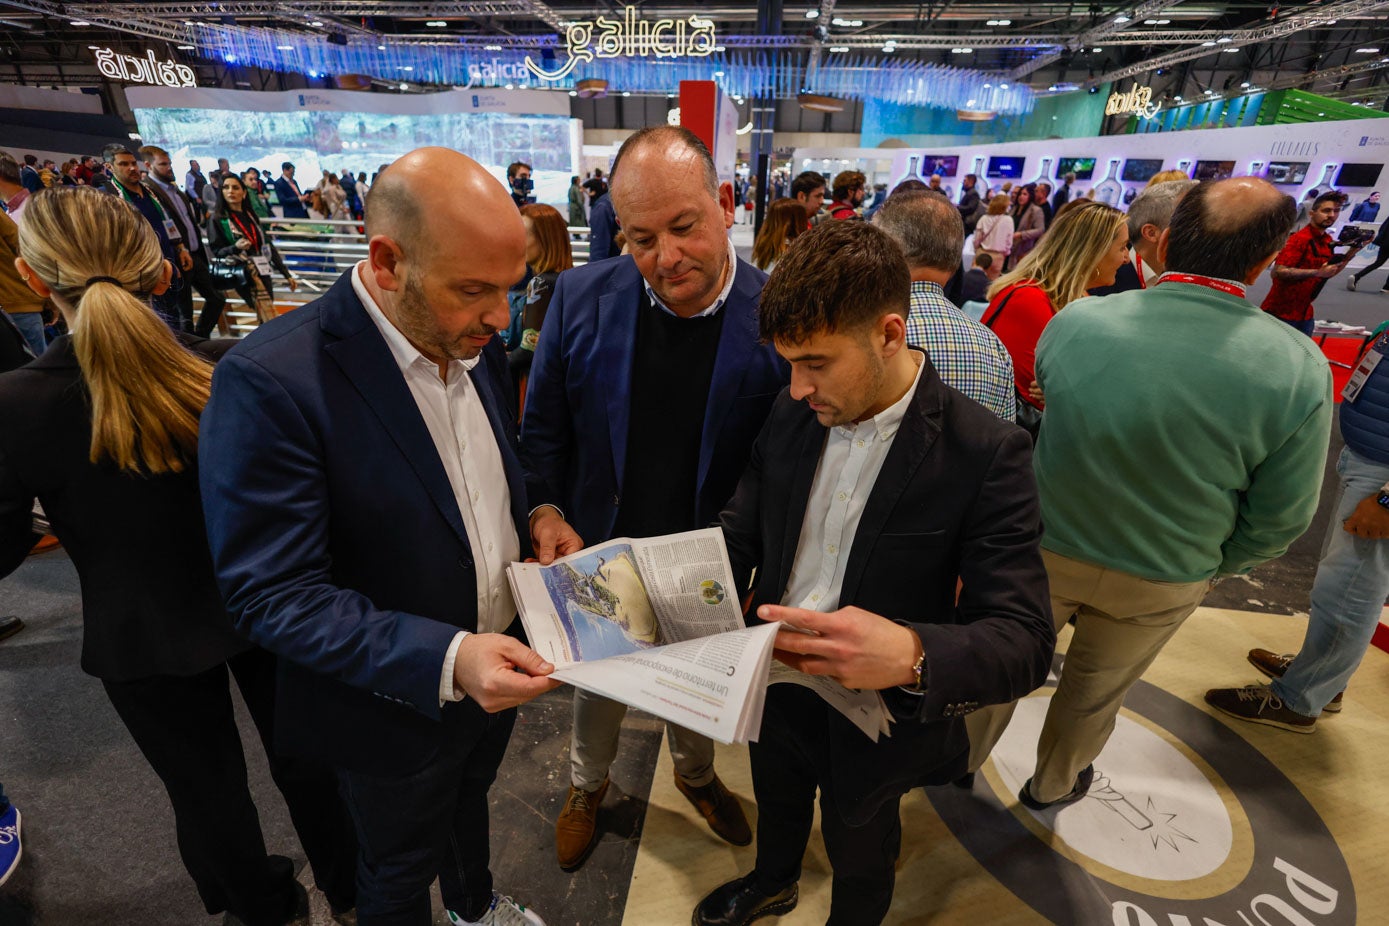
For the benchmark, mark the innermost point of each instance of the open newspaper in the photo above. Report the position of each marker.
(656, 624)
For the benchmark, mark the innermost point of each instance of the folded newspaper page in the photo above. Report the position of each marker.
(654, 623)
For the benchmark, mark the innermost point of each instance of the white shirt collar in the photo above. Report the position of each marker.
(717, 303)
(406, 354)
(886, 422)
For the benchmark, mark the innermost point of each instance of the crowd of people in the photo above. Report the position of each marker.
(881, 464)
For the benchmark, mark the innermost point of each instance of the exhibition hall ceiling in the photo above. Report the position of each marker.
(1339, 48)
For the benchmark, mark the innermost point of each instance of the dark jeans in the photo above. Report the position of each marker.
(1379, 262)
(789, 761)
(213, 301)
(186, 729)
(429, 823)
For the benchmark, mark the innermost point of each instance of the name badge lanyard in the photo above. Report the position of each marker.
(259, 256)
(170, 229)
(1223, 286)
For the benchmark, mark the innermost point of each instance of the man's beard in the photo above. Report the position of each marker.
(415, 320)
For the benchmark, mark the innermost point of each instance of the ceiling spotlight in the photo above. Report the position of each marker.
(889, 48)
(1178, 98)
(988, 86)
(79, 23)
(436, 23)
(1231, 51)
(812, 14)
(1122, 19)
(405, 86)
(1004, 86)
(1150, 22)
(1245, 85)
(1224, 40)
(315, 23)
(1321, 114)
(573, 93)
(380, 47)
(492, 48)
(626, 93)
(718, 73)
(1367, 51)
(962, 51)
(839, 48)
(1097, 50)
(406, 67)
(509, 87)
(720, 48)
(180, 48)
(1164, 22)
(1207, 44)
(284, 48)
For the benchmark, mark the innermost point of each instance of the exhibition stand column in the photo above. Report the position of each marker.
(763, 119)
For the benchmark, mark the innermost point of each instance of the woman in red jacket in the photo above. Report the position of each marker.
(1082, 249)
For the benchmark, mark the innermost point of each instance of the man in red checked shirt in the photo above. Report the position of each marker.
(1304, 265)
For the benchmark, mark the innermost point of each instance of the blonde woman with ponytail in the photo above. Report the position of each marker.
(103, 431)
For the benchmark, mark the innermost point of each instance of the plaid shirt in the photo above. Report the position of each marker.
(968, 356)
(1307, 249)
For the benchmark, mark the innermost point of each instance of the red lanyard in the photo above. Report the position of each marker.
(253, 237)
(1138, 264)
(1224, 286)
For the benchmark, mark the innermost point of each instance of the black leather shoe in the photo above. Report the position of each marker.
(739, 902)
(9, 626)
(1082, 787)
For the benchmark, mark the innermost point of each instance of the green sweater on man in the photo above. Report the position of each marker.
(1185, 432)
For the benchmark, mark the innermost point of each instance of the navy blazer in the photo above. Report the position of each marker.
(290, 202)
(955, 499)
(574, 435)
(335, 534)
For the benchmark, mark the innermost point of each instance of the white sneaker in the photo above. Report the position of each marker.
(1350, 283)
(503, 912)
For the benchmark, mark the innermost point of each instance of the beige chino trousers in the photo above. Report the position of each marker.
(1122, 623)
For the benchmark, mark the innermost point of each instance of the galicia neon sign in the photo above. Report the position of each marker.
(631, 37)
(1138, 101)
(147, 70)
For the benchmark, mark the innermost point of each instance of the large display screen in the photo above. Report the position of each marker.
(1083, 168)
(946, 165)
(316, 140)
(1139, 170)
(1213, 170)
(1358, 175)
(1287, 172)
(1006, 168)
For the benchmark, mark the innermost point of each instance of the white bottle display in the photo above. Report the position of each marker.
(910, 173)
(1109, 190)
(981, 186)
(1184, 167)
(1325, 183)
(1045, 175)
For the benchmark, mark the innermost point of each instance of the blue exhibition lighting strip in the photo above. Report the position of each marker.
(761, 74)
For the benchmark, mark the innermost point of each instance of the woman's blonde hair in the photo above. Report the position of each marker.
(1166, 176)
(786, 219)
(1066, 256)
(146, 389)
(999, 204)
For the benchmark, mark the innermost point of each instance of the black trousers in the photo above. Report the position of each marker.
(214, 301)
(1379, 262)
(186, 729)
(790, 761)
(429, 823)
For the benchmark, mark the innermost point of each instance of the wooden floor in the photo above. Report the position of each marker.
(1195, 819)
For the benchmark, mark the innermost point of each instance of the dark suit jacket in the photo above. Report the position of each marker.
(955, 499)
(149, 602)
(602, 230)
(1125, 279)
(289, 200)
(577, 405)
(337, 539)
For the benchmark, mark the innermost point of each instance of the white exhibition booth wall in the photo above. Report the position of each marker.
(349, 130)
(1297, 157)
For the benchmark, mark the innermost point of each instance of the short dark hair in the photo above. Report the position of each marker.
(1204, 242)
(150, 152)
(910, 185)
(115, 150)
(1330, 196)
(838, 277)
(983, 260)
(845, 182)
(654, 134)
(514, 168)
(807, 182)
(287, 165)
(30, 160)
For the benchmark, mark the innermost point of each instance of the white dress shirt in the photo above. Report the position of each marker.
(457, 421)
(850, 461)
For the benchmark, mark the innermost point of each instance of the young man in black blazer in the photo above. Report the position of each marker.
(872, 490)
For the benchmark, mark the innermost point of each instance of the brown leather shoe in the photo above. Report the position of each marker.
(1274, 665)
(578, 825)
(720, 810)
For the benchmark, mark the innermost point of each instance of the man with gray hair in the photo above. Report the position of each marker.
(968, 356)
(1149, 216)
(648, 388)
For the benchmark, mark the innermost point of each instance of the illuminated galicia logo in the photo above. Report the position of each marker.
(1186, 824)
(1138, 101)
(145, 70)
(631, 37)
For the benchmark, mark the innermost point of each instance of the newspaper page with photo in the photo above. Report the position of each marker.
(654, 623)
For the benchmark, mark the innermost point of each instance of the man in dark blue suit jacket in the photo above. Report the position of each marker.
(648, 388)
(363, 497)
(291, 197)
